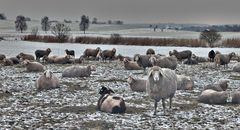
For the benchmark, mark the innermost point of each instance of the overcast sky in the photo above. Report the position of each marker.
(139, 11)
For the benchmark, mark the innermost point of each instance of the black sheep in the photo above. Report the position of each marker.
(41, 53)
(70, 52)
(211, 55)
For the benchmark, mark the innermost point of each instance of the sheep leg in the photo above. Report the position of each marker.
(163, 104)
(155, 108)
(170, 103)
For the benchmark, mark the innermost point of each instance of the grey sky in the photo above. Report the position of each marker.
(140, 11)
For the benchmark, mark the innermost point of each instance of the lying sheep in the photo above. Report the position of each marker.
(33, 66)
(40, 53)
(143, 61)
(2, 56)
(211, 55)
(91, 52)
(23, 56)
(190, 61)
(210, 96)
(78, 71)
(221, 85)
(184, 83)
(236, 97)
(70, 52)
(223, 59)
(150, 51)
(49, 59)
(107, 54)
(62, 59)
(79, 60)
(199, 59)
(131, 65)
(121, 58)
(161, 84)
(186, 54)
(164, 62)
(138, 85)
(236, 67)
(47, 81)
(109, 103)
(7, 62)
(15, 60)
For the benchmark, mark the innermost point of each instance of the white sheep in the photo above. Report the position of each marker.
(78, 71)
(33, 66)
(161, 84)
(211, 96)
(138, 85)
(184, 82)
(47, 81)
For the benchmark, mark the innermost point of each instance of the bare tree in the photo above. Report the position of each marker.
(210, 36)
(45, 24)
(2, 16)
(20, 23)
(84, 23)
(61, 31)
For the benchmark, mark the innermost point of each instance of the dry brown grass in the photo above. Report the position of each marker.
(233, 42)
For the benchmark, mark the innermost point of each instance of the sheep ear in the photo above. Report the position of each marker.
(150, 72)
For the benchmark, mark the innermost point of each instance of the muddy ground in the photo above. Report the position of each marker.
(73, 105)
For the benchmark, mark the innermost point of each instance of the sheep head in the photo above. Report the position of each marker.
(105, 90)
(125, 60)
(48, 74)
(130, 79)
(114, 50)
(26, 62)
(136, 57)
(232, 55)
(155, 72)
(153, 60)
(49, 50)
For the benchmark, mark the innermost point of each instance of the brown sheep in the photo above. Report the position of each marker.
(23, 56)
(62, 60)
(49, 59)
(107, 54)
(41, 53)
(33, 66)
(91, 52)
(15, 60)
(131, 65)
(236, 97)
(47, 81)
(221, 85)
(150, 51)
(210, 96)
(223, 59)
(2, 56)
(138, 85)
(187, 54)
(7, 62)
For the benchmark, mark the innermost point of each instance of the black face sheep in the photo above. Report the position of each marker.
(33, 66)
(2, 57)
(161, 84)
(138, 85)
(236, 97)
(7, 62)
(186, 54)
(164, 62)
(49, 59)
(107, 54)
(70, 52)
(40, 53)
(221, 85)
(91, 52)
(78, 71)
(184, 82)
(210, 96)
(223, 59)
(131, 65)
(62, 59)
(109, 103)
(211, 55)
(143, 61)
(47, 81)
(23, 56)
(150, 51)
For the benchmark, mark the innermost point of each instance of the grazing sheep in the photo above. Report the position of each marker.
(47, 81)
(210, 96)
(199, 59)
(40, 53)
(211, 55)
(91, 52)
(143, 61)
(190, 61)
(221, 85)
(7, 62)
(138, 85)
(161, 84)
(150, 51)
(186, 54)
(131, 65)
(62, 59)
(70, 52)
(78, 71)
(109, 103)
(2, 56)
(223, 59)
(49, 59)
(107, 54)
(236, 67)
(184, 83)
(236, 97)
(164, 62)
(23, 56)
(33, 66)
(15, 60)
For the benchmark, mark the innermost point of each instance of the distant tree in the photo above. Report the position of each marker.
(94, 21)
(84, 24)
(3, 17)
(20, 23)
(61, 31)
(34, 31)
(210, 36)
(45, 24)
(109, 21)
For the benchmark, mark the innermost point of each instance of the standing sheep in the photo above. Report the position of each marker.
(150, 51)
(47, 81)
(40, 53)
(23, 56)
(131, 65)
(223, 59)
(211, 55)
(143, 61)
(186, 54)
(33, 66)
(70, 52)
(107, 54)
(210, 96)
(78, 71)
(138, 85)
(164, 62)
(184, 83)
(109, 103)
(91, 52)
(161, 84)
